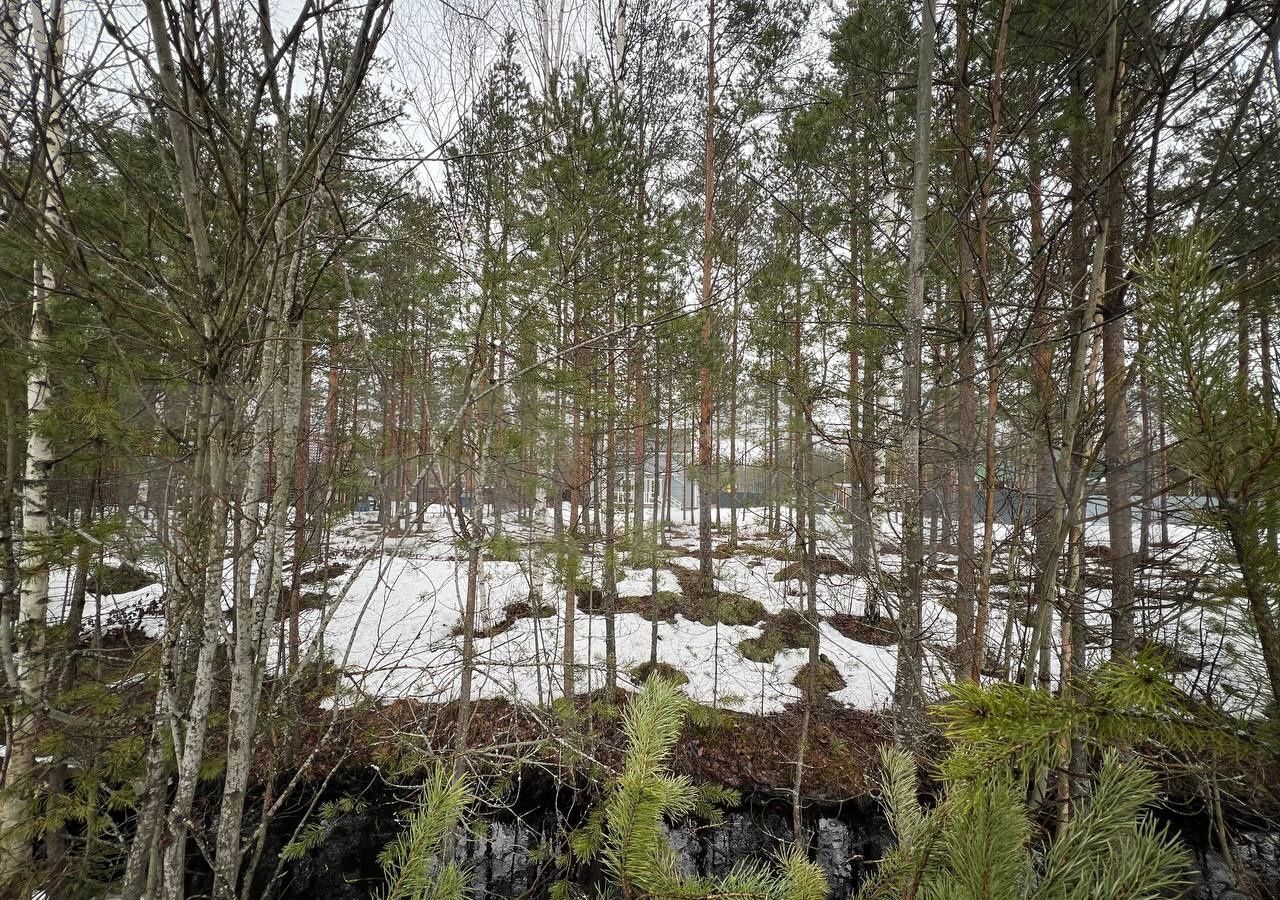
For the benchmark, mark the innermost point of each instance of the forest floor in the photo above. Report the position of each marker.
(386, 612)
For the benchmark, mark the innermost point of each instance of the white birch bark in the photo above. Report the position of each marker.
(30, 651)
(10, 11)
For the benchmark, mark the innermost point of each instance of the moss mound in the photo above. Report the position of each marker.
(112, 579)
(827, 679)
(735, 609)
(788, 630)
(727, 609)
(640, 674)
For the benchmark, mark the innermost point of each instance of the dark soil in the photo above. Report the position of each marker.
(881, 633)
(757, 753)
(512, 613)
(669, 603)
(689, 579)
(748, 752)
(325, 573)
(312, 600)
(824, 564)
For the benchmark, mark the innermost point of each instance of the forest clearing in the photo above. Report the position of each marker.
(550, 450)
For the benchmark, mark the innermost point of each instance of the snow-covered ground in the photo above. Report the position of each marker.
(391, 625)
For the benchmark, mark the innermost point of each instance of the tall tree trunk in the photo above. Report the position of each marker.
(1116, 414)
(255, 616)
(670, 460)
(610, 586)
(775, 454)
(301, 462)
(1045, 484)
(1248, 554)
(280, 395)
(471, 524)
(982, 227)
(639, 415)
(908, 696)
(859, 433)
(1069, 497)
(195, 615)
(706, 577)
(205, 633)
(733, 409)
(10, 28)
(870, 473)
(968, 641)
(30, 651)
(657, 534)
(577, 477)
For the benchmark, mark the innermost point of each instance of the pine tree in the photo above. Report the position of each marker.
(979, 842)
(415, 865)
(1227, 426)
(626, 831)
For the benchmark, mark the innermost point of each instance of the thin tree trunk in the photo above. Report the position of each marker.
(706, 577)
(1258, 597)
(472, 526)
(1116, 442)
(300, 495)
(10, 28)
(9, 577)
(1068, 500)
(968, 640)
(908, 697)
(610, 586)
(576, 477)
(208, 506)
(859, 434)
(733, 410)
(996, 105)
(255, 618)
(657, 535)
(670, 461)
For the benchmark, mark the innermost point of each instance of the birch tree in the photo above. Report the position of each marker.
(30, 651)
